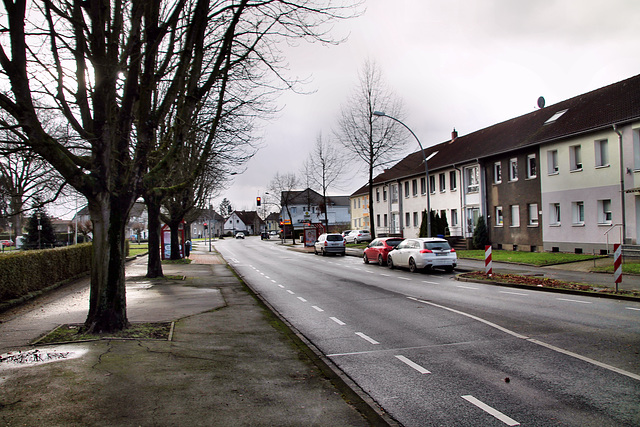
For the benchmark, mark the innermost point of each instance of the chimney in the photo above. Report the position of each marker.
(454, 135)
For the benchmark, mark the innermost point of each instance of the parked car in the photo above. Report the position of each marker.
(240, 235)
(426, 252)
(378, 250)
(358, 236)
(345, 233)
(273, 233)
(264, 235)
(330, 243)
(7, 243)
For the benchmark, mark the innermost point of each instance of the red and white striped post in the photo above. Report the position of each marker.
(488, 265)
(617, 264)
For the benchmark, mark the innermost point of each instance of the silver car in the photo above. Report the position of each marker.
(330, 243)
(358, 236)
(423, 253)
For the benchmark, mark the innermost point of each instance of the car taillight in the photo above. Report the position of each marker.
(452, 250)
(426, 251)
(326, 243)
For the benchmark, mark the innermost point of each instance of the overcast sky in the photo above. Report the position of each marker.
(466, 64)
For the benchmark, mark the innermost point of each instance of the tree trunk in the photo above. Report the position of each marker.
(107, 299)
(174, 226)
(154, 263)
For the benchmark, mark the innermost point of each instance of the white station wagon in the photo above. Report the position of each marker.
(423, 253)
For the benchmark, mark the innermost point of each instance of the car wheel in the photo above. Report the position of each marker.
(365, 259)
(389, 262)
(324, 253)
(412, 265)
(380, 260)
(315, 251)
(449, 269)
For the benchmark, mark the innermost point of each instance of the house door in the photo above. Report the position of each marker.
(472, 220)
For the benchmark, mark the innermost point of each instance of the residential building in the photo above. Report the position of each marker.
(307, 206)
(359, 201)
(248, 222)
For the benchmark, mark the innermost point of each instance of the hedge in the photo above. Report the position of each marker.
(24, 272)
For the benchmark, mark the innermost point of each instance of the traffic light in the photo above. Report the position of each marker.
(205, 225)
(258, 201)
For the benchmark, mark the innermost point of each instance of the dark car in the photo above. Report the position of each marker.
(264, 235)
(378, 250)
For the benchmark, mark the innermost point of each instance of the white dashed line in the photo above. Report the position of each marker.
(273, 281)
(315, 307)
(489, 410)
(467, 287)
(632, 308)
(431, 283)
(574, 300)
(338, 321)
(514, 293)
(403, 278)
(367, 338)
(302, 299)
(413, 365)
(281, 286)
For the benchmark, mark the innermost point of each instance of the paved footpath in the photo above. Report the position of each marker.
(227, 365)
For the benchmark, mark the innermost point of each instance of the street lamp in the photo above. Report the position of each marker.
(426, 167)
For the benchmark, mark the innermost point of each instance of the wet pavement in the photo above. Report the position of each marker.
(230, 362)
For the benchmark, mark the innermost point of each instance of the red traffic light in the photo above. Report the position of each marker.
(258, 201)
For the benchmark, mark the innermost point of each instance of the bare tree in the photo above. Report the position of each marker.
(323, 169)
(374, 142)
(285, 186)
(110, 72)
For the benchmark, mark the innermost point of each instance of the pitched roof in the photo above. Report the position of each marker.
(249, 217)
(313, 197)
(618, 103)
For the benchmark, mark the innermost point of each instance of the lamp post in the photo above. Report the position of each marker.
(426, 166)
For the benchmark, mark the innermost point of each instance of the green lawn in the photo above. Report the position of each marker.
(137, 249)
(532, 258)
(628, 267)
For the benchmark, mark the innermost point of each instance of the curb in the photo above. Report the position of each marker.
(352, 393)
(547, 289)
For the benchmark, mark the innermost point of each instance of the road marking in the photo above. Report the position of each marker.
(414, 365)
(431, 283)
(385, 275)
(404, 278)
(574, 300)
(291, 292)
(368, 338)
(315, 307)
(534, 341)
(302, 299)
(281, 286)
(273, 281)
(467, 287)
(338, 321)
(488, 409)
(267, 277)
(632, 308)
(513, 293)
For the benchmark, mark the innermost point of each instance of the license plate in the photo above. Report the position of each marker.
(441, 254)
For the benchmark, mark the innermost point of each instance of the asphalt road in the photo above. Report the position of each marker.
(434, 351)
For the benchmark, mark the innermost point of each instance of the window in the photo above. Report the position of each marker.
(636, 149)
(414, 185)
(386, 221)
(533, 214)
(532, 166)
(394, 193)
(294, 210)
(407, 217)
(443, 184)
(499, 218)
(406, 189)
(577, 209)
(472, 179)
(555, 117)
(384, 194)
(415, 219)
(554, 214)
(575, 158)
(453, 184)
(515, 215)
(378, 220)
(552, 160)
(432, 184)
(454, 217)
(423, 186)
(378, 195)
(497, 173)
(604, 211)
(602, 153)
(513, 169)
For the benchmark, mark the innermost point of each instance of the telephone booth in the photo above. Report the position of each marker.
(166, 241)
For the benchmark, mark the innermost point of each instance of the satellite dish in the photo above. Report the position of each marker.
(541, 102)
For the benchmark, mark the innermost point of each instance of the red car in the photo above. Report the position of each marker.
(7, 243)
(379, 249)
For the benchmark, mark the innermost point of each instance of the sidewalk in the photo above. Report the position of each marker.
(230, 362)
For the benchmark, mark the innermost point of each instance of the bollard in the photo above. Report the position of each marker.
(617, 264)
(488, 267)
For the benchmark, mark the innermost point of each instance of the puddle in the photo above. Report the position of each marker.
(38, 356)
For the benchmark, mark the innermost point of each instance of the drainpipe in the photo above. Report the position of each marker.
(462, 208)
(622, 193)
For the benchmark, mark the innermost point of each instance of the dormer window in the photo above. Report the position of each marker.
(555, 117)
